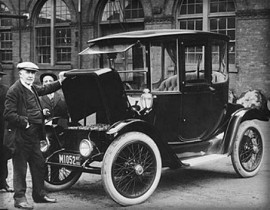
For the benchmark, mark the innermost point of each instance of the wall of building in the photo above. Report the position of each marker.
(252, 37)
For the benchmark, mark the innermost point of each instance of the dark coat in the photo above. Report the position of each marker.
(15, 112)
(3, 92)
(58, 108)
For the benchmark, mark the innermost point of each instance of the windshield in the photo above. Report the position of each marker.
(130, 62)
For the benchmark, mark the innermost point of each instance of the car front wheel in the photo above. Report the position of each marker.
(131, 168)
(248, 149)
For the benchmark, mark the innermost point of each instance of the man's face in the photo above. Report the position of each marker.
(27, 76)
(47, 80)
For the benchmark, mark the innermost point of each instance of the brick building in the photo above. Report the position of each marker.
(53, 32)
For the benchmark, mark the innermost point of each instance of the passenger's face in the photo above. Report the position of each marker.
(47, 80)
(27, 76)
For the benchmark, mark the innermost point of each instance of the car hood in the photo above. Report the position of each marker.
(95, 91)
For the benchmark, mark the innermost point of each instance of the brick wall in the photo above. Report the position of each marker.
(252, 52)
(252, 38)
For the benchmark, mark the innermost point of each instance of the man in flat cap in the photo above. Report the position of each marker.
(25, 120)
(3, 150)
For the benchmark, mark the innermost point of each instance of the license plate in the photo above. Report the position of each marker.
(69, 159)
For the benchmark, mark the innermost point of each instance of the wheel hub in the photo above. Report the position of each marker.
(138, 169)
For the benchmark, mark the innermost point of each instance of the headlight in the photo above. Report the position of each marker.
(44, 145)
(146, 99)
(86, 148)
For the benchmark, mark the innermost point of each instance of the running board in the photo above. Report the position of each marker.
(202, 159)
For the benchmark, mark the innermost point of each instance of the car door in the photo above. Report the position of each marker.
(197, 115)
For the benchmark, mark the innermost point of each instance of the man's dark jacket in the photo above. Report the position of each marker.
(58, 108)
(15, 112)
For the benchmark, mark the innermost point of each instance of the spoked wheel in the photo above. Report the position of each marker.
(60, 178)
(131, 168)
(248, 149)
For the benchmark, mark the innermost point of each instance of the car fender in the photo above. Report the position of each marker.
(239, 116)
(168, 156)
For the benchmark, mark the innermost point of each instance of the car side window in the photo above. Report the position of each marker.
(219, 62)
(163, 58)
(194, 64)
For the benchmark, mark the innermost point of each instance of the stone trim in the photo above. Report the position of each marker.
(164, 19)
(253, 13)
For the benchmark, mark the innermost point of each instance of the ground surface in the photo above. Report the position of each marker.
(213, 185)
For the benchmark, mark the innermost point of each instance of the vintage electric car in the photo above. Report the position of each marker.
(159, 99)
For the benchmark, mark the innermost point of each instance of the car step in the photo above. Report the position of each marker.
(202, 159)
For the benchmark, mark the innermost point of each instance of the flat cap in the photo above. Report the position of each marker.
(28, 66)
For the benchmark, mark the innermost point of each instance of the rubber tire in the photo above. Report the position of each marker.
(239, 169)
(73, 178)
(111, 155)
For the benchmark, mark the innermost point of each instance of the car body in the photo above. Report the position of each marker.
(159, 99)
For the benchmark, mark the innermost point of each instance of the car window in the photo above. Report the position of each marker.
(194, 64)
(163, 59)
(219, 62)
(131, 66)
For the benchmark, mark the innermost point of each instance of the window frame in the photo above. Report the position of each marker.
(206, 16)
(5, 30)
(53, 27)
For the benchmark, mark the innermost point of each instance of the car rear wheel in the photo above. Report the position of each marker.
(248, 149)
(131, 168)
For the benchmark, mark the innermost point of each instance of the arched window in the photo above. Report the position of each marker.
(53, 33)
(5, 36)
(121, 15)
(209, 15)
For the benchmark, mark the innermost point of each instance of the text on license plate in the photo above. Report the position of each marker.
(69, 159)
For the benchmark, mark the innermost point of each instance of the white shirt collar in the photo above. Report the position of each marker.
(51, 95)
(26, 85)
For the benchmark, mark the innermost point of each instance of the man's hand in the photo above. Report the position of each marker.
(46, 112)
(61, 76)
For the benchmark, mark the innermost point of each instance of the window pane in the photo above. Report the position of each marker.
(213, 24)
(199, 25)
(122, 9)
(62, 12)
(231, 34)
(194, 64)
(164, 71)
(222, 6)
(183, 24)
(191, 7)
(43, 40)
(63, 54)
(191, 25)
(230, 6)
(231, 22)
(222, 23)
(62, 35)
(133, 9)
(5, 35)
(45, 13)
(5, 21)
(183, 10)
